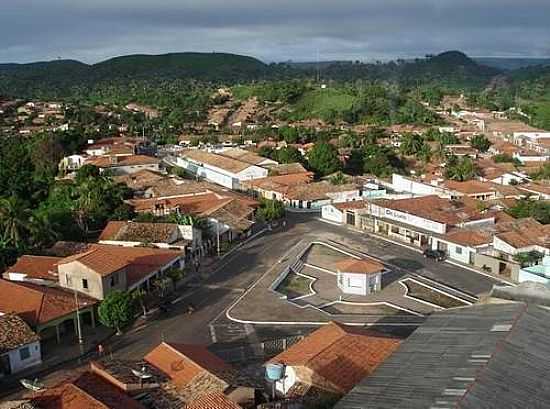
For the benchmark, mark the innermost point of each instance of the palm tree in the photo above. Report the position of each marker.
(41, 229)
(14, 221)
(411, 144)
(138, 296)
(425, 153)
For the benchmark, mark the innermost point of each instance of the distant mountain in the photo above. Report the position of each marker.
(24, 79)
(505, 63)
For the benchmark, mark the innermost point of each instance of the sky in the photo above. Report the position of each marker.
(272, 30)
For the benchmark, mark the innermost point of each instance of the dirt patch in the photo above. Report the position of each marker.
(323, 256)
(295, 285)
(421, 292)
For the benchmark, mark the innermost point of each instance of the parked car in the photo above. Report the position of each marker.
(438, 255)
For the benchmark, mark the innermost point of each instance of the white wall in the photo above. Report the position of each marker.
(455, 251)
(35, 358)
(403, 184)
(412, 220)
(331, 213)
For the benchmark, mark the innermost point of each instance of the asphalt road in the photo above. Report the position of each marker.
(240, 270)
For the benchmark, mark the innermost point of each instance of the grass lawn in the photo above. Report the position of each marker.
(322, 103)
(424, 293)
(294, 286)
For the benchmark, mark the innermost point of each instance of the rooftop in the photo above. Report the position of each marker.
(183, 362)
(481, 356)
(139, 232)
(106, 259)
(212, 401)
(359, 266)
(39, 267)
(88, 391)
(318, 190)
(434, 208)
(341, 355)
(212, 159)
(117, 161)
(38, 304)
(245, 156)
(14, 333)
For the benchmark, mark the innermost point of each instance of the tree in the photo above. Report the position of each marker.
(138, 296)
(381, 161)
(411, 144)
(480, 142)
(116, 310)
(528, 258)
(288, 154)
(162, 284)
(460, 169)
(542, 174)
(323, 159)
(355, 163)
(175, 274)
(537, 209)
(14, 221)
(270, 210)
(338, 179)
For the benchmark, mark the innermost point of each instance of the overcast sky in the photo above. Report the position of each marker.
(272, 30)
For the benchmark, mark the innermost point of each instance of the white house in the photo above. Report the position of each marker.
(72, 162)
(404, 184)
(520, 138)
(539, 273)
(219, 169)
(125, 165)
(359, 276)
(19, 345)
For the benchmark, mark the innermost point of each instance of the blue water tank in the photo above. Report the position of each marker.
(274, 372)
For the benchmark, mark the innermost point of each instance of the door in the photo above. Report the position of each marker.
(5, 367)
(350, 218)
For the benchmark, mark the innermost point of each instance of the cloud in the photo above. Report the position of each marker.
(275, 30)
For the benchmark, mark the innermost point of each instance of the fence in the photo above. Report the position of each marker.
(255, 351)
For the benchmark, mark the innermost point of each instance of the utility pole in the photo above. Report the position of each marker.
(218, 236)
(78, 326)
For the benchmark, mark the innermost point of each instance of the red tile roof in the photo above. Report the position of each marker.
(116, 161)
(212, 401)
(469, 237)
(106, 259)
(340, 354)
(359, 266)
(183, 362)
(14, 333)
(40, 267)
(88, 391)
(38, 304)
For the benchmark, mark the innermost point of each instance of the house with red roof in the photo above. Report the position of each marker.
(331, 360)
(37, 269)
(49, 311)
(199, 376)
(102, 268)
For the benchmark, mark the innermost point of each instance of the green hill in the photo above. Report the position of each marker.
(57, 77)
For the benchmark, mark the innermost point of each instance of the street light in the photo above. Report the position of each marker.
(78, 327)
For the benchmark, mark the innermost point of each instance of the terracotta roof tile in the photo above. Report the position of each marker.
(106, 259)
(359, 266)
(14, 333)
(469, 237)
(341, 355)
(117, 161)
(88, 391)
(318, 190)
(38, 304)
(41, 267)
(136, 231)
(212, 401)
(218, 161)
(182, 363)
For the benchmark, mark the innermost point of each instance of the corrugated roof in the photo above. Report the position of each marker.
(485, 356)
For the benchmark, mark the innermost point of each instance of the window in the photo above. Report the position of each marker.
(24, 353)
(458, 250)
(68, 280)
(84, 283)
(114, 280)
